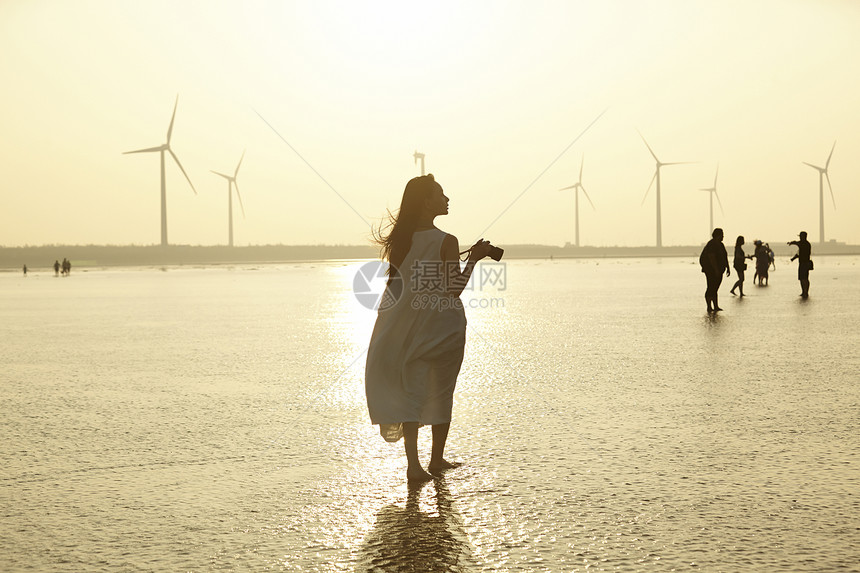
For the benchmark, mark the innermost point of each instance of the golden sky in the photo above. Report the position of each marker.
(492, 92)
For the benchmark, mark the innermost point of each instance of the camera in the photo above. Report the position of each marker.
(496, 253)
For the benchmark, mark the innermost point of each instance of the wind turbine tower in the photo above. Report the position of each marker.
(577, 187)
(231, 183)
(161, 149)
(657, 177)
(419, 156)
(822, 174)
(712, 192)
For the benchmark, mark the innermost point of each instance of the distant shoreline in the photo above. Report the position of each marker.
(43, 257)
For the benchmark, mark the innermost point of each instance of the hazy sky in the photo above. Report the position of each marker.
(492, 92)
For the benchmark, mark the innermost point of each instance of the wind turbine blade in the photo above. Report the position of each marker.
(717, 174)
(654, 155)
(147, 150)
(680, 163)
(240, 164)
(813, 166)
(587, 197)
(827, 176)
(581, 165)
(826, 165)
(719, 202)
(566, 188)
(172, 117)
(221, 174)
(236, 185)
(649, 188)
(710, 189)
(176, 159)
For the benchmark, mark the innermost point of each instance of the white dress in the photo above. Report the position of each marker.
(416, 348)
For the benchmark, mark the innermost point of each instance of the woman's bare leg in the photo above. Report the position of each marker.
(414, 471)
(437, 457)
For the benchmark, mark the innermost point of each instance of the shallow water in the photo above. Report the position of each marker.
(214, 419)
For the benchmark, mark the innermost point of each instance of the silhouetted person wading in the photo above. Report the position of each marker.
(714, 260)
(804, 262)
(740, 264)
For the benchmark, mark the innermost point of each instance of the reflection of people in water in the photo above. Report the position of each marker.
(714, 261)
(409, 539)
(804, 262)
(416, 348)
(762, 263)
(740, 264)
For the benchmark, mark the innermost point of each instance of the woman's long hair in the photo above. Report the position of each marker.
(740, 241)
(394, 236)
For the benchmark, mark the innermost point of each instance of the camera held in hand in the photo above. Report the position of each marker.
(496, 253)
(493, 252)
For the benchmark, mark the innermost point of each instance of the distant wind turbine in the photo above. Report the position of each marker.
(712, 192)
(161, 149)
(657, 177)
(231, 182)
(418, 156)
(822, 174)
(577, 187)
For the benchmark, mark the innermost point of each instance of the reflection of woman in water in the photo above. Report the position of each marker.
(740, 264)
(417, 344)
(408, 539)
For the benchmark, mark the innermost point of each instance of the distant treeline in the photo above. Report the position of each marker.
(43, 257)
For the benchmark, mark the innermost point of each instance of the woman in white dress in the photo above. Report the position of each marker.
(416, 348)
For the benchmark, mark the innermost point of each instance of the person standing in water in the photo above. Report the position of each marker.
(714, 260)
(417, 344)
(762, 263)
(740, 264)
(804, 262)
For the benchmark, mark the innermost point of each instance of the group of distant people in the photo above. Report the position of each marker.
(65, 268)
(714, 261)
(764, 259)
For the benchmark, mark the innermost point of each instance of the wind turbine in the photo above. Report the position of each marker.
(418, 156)
(161, 149)
(231, 182)
(822, 173)
(576, 189)
(712, 192)
(657, 177)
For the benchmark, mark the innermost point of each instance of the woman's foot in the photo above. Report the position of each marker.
(436, 468)
(418, 475)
